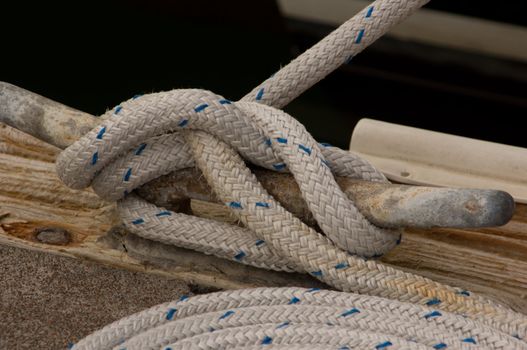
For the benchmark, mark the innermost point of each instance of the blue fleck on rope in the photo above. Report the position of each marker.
(240, 255)
(227, 314)
(294, 300)
(127, 175)
(349, 312)
(433, 314)
(282, 325)
(341, 266)
(140, 149)
(469, 340)
(279, 166)
(359, 36)
(236, 205)
(201, 107)
(383, 345)
(101, 133)
(305, 149)
(267, 340)
(262, 204)
(170, 314)
(138, 221)
(370, 11)
(433, 301)
(259, 95)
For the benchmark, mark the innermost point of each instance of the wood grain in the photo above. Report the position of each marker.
(488, 261)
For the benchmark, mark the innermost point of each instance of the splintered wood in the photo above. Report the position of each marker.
(38, 212)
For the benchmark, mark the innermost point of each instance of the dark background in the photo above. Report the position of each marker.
(93, 54)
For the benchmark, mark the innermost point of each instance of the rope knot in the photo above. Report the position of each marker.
(153, 135)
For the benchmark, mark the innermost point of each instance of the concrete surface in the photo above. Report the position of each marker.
(47, 301)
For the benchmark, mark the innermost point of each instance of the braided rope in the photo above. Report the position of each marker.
(152, 135)
(335, 318)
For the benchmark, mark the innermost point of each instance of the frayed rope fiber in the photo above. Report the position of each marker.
(155, 134)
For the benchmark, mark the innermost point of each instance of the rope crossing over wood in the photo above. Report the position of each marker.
(148, 136)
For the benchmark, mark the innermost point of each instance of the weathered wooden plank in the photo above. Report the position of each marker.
(32, 198)
(489, 261)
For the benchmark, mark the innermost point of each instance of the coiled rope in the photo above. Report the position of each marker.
(151, 135)
(285, 317)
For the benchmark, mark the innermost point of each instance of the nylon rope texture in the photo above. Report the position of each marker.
(155, 134)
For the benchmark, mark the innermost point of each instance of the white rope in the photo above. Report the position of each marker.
(155, 134)
(289, 316)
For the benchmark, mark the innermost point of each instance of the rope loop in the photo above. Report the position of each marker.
(146, 139)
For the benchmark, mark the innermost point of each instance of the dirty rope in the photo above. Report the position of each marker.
(152, 135)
